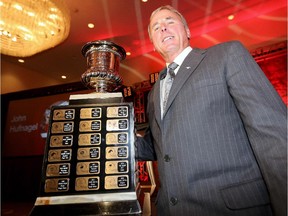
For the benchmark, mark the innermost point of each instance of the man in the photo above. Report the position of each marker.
(220, 141)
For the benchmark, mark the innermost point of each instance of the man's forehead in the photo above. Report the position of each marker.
(162, 16)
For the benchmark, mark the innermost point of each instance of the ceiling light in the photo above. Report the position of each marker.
(91, 25)
(63, 77)
(230, 17)
(21, 60)
(128, 53)
(28, 27)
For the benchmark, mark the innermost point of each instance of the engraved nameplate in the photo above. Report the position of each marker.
(116, 152)
(116, 138)
(117, 124)
(114, 112)
(90, 113)
(61, 140)
(89, 139)
(114, 167)
(55, 155)
(88, 153)
(87, 183)
(58, 169)
(87, 168)
(63, 114)
(57, 185)
(90, 125)
(62, 127)
(116, 182)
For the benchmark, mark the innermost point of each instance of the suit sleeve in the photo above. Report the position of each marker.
(145, 145)
(145, 150)
(264, 116)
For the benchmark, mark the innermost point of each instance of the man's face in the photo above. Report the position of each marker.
(168, 33)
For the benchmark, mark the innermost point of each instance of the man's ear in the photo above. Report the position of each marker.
(188, 33)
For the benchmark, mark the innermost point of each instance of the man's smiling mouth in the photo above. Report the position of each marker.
(167, 38)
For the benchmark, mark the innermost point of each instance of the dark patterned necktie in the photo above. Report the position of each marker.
(169, 80)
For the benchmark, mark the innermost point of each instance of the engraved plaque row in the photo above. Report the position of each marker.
(101, 151)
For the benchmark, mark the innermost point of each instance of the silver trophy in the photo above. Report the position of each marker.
(103, 61)
(89, 166)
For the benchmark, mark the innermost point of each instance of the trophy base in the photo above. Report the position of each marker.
(69, 196)
(130, 207)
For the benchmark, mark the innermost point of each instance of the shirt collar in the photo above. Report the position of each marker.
(180, 58)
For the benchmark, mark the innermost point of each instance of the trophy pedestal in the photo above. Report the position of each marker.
(128, 207)
(89, 165)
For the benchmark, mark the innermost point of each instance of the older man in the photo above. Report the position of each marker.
(219, 134)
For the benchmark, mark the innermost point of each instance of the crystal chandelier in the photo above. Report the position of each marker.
(28, 27)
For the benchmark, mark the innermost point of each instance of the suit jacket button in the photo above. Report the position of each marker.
(173, 201)
(166, 158)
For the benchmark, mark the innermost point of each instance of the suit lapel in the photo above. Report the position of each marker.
(156, 96)
(187, 68)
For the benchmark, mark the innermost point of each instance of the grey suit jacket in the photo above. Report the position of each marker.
(221, 146)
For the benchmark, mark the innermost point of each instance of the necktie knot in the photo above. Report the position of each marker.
(172, 66)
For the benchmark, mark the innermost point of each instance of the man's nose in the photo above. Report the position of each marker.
(163, 28)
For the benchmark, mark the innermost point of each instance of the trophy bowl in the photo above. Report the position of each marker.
(103, 61)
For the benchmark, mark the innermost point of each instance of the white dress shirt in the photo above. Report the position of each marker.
(178, 60)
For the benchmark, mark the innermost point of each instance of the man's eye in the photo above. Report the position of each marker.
(156, 28)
